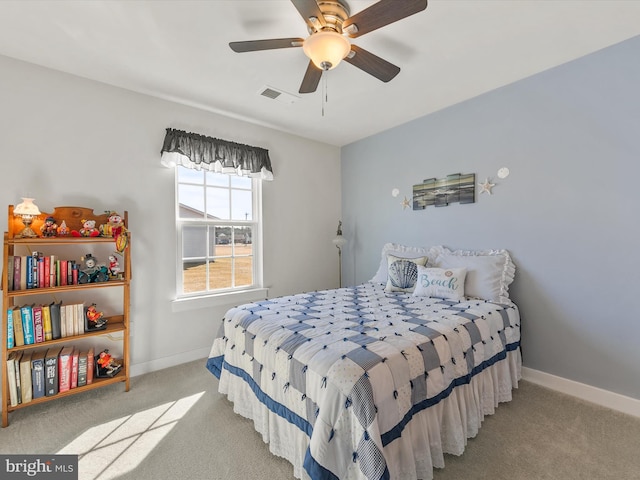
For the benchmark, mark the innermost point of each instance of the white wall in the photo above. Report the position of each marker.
(70, 141)
(568, 212)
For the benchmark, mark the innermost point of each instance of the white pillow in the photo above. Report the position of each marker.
(403, 251)
(403, 273)
(440, 282)
(489, 272)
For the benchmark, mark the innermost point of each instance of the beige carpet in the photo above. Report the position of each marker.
(174, 425)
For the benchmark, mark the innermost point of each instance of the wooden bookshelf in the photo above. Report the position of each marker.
(119, 323)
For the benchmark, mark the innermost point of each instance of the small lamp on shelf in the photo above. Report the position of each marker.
(339, 241)
(26, 210)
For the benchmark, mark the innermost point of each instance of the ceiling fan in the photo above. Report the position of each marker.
(329, 22)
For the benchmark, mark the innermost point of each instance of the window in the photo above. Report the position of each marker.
(218, 222)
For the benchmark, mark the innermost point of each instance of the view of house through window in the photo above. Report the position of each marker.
(217, 226)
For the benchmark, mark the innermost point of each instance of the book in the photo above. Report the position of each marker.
(10, 339)
(70, 264)
(63, 272)
(37, 373)
(11, 379)
(75, 359)
(46, 323)
(25, 377)
(16, 272)
(38, 325)
(29, 271)
(34, 268)
(18, 333)
(63, 321)
(9, 273)
(74, 273)
(52, 270)
(27, 324)
(40, 268)
(51, 371)
(16, 365)
(79, 317)
(69, 320)
(64, 369)
(90, 366)
(23, 272)
(47, 271)
(82, 368)
(56, 329)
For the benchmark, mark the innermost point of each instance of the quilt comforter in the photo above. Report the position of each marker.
(359, 383)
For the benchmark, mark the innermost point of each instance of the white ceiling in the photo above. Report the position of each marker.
(178, 50)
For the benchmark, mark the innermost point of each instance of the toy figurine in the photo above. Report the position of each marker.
(88, 229)
(114, 266)
(49, 228)
(106, 365)
(94, 319)
(115, 228)
(63, 230)
(91, 272)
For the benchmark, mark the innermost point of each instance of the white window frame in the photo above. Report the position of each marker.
(234, 295)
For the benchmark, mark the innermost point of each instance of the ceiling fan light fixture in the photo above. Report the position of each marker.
(326, 49)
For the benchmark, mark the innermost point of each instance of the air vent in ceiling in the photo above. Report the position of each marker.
(275, 94)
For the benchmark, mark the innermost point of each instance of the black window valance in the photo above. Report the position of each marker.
(200, 152)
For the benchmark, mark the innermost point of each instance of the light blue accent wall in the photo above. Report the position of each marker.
(569, 212)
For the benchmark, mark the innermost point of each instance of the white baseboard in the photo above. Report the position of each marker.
(172, 361)
(604, 398)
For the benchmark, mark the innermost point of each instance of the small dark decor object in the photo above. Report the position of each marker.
(106, 365)
(93, 319)
(91, 272)
(49, 228)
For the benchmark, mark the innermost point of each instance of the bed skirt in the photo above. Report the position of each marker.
(432, 432)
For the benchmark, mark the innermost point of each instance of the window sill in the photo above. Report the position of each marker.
(221, 299)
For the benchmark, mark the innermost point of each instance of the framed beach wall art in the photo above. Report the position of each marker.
(440, 192)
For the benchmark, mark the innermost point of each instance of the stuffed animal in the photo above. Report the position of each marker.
(115, 228)
(88, 229)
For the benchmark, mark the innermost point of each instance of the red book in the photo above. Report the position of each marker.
(63, 272)
(40, 272)
(38, 324)
(74, 368)
(64, 369)
(90, 366)
(47, 272)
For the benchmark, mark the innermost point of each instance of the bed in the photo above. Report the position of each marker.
(377, 380)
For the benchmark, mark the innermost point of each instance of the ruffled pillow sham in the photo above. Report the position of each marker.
(489, 272)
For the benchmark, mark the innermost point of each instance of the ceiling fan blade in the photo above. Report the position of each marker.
(380, 14)
(311, 79)
(372, 64)
(309, 10)
(255, 45)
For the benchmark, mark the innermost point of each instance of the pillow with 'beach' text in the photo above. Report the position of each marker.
(440, 282)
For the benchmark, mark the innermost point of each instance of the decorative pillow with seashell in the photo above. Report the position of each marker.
(403, 273)
(403, 251)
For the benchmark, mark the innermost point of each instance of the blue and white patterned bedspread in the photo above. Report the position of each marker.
(351, 367)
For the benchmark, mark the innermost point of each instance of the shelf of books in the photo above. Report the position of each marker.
(54, 337)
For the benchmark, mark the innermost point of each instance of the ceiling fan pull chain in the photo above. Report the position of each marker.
(324, 88)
